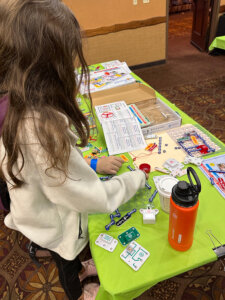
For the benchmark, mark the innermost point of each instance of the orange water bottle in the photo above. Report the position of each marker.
(183, 212)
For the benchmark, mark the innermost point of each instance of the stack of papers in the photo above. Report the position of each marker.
(113, 74)
(121, 129)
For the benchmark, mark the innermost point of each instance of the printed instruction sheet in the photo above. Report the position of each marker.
(121, 129)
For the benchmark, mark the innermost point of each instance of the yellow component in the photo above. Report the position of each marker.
(212, 164)
(124, 158)
(149, 146)
(194, 140)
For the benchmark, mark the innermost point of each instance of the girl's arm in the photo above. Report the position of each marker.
(107, 164)
(82, 190)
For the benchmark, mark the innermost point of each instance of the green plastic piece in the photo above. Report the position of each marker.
(128, 236)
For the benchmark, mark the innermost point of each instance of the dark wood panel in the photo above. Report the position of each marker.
(125, 26)
(201, 20)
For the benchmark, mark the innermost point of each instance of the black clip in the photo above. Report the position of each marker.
(219, 250)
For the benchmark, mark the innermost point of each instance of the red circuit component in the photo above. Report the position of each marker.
(203, 149)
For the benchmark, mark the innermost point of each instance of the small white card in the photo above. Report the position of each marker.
(107, 242)
(134, 255)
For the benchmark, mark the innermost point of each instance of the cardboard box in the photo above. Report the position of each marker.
(160, 116)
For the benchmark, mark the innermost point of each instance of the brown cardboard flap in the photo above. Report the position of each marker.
(131, 93)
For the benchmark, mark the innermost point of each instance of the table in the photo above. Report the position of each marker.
(218, 42)
(117, 280)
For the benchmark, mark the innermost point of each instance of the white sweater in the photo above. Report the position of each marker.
(51, 213)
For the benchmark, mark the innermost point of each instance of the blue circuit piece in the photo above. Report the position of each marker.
(109, 225)
(153, 196)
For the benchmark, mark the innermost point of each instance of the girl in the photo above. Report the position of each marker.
(52, 188)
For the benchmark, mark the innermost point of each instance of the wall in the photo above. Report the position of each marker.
(93, 14)
(117, 29)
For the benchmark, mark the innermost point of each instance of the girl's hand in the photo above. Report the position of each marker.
(109, 165)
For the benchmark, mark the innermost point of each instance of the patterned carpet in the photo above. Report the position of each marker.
(180, 25)
(204, 101)
(20, 279)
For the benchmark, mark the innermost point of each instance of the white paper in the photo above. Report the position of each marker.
(108, 78)
(121, 129)
(113, 111)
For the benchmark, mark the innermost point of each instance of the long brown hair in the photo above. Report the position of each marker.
(40, 45)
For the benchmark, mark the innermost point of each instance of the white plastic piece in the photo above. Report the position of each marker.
(149, 215)
(162, 170)
(149, 218)
(107, 242)
(172, 164)
(193, 160)
(150, 136)
(134, 2)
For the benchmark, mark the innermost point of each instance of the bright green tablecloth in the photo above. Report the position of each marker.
(218, 42)
(117, 280)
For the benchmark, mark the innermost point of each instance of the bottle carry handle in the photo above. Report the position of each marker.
(196, 188)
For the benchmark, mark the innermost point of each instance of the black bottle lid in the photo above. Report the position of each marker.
(186, 194)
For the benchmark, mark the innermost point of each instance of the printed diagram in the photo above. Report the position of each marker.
(134, 255)
(106, 78)
(214, 170)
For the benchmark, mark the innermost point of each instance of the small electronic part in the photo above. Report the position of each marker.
(105, 178)
(125, 218)
(131, 169)
(128, 236)
(162, 170)
(149, 215)
(194, 140)
(149, 146)
(134, 255)
(152, 148)
(124, 158)
(107, 242)
(107, 227)
(150, 136)
(153, 196)
(172, 164)
(146, 184)
(193, 160)
(178, 172)
(160, 145)
(117, 214)
(112, 217)
(203, 149)
(92, 139)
